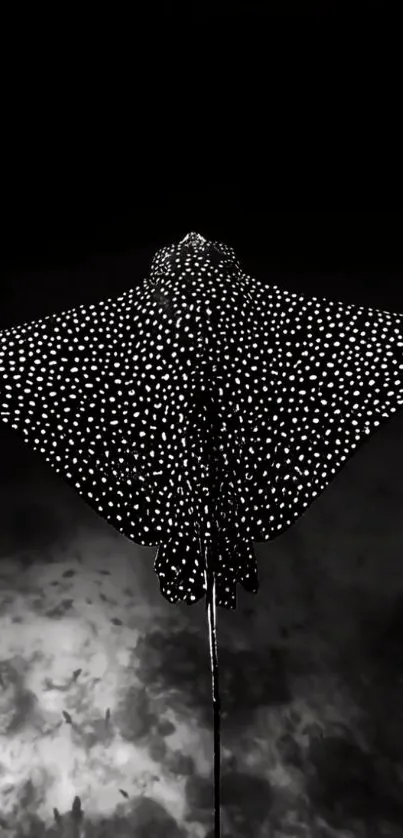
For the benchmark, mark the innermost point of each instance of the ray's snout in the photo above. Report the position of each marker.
(193, 239)
(216, 252)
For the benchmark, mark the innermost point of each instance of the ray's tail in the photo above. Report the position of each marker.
(212, 632)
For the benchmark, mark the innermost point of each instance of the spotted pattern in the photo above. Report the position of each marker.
(201, 408)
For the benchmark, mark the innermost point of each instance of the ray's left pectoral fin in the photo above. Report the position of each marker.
(63, 382)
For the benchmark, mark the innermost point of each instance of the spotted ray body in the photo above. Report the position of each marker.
(202, 410)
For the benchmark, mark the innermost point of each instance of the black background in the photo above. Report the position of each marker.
(65, 240)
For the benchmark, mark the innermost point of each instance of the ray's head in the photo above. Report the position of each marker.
(193, 259)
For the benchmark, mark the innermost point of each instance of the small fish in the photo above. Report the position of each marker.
(76, 673)
(57, 816)
(76, 809)
(68, 718)
(107, 717)
(124, 793)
